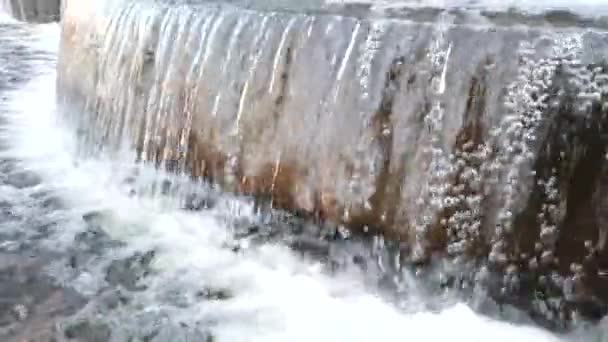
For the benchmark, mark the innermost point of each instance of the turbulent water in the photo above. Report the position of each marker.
(102, 249)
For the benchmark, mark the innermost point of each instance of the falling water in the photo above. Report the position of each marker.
(436, 133)
(444, 137)
(5, 9)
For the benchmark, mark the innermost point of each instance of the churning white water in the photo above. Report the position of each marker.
(5, 9)
(263, 292)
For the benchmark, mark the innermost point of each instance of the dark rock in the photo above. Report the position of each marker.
(7, 212)
(86, 331)
(129, 272)
(591, 308)
(53, 203)
(7, 316)
(22, 180)
(360, 261)
(179, 333)
(40, 195)
(165, 187)
(314, 247)
(8, 165)
(95, 217)
(246, 231)
(39, 231)
(94, 237)
(177, 297)
(214, 294)
(387, 283)
(18, 281)
(78, 259)
(113, 299)
(63, 303)
(330, 232)
(28, 295)
(311, 230)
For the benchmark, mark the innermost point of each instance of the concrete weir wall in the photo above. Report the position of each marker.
(482, 136)
(33, 10)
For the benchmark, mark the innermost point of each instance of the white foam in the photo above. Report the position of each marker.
(5, 11)
(277, 296)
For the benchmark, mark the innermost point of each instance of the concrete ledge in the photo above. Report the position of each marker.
(465, 140)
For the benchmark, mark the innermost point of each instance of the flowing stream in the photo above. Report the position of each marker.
(99, 248)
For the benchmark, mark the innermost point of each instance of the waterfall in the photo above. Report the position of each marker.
(6, 8)
(479, 140)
